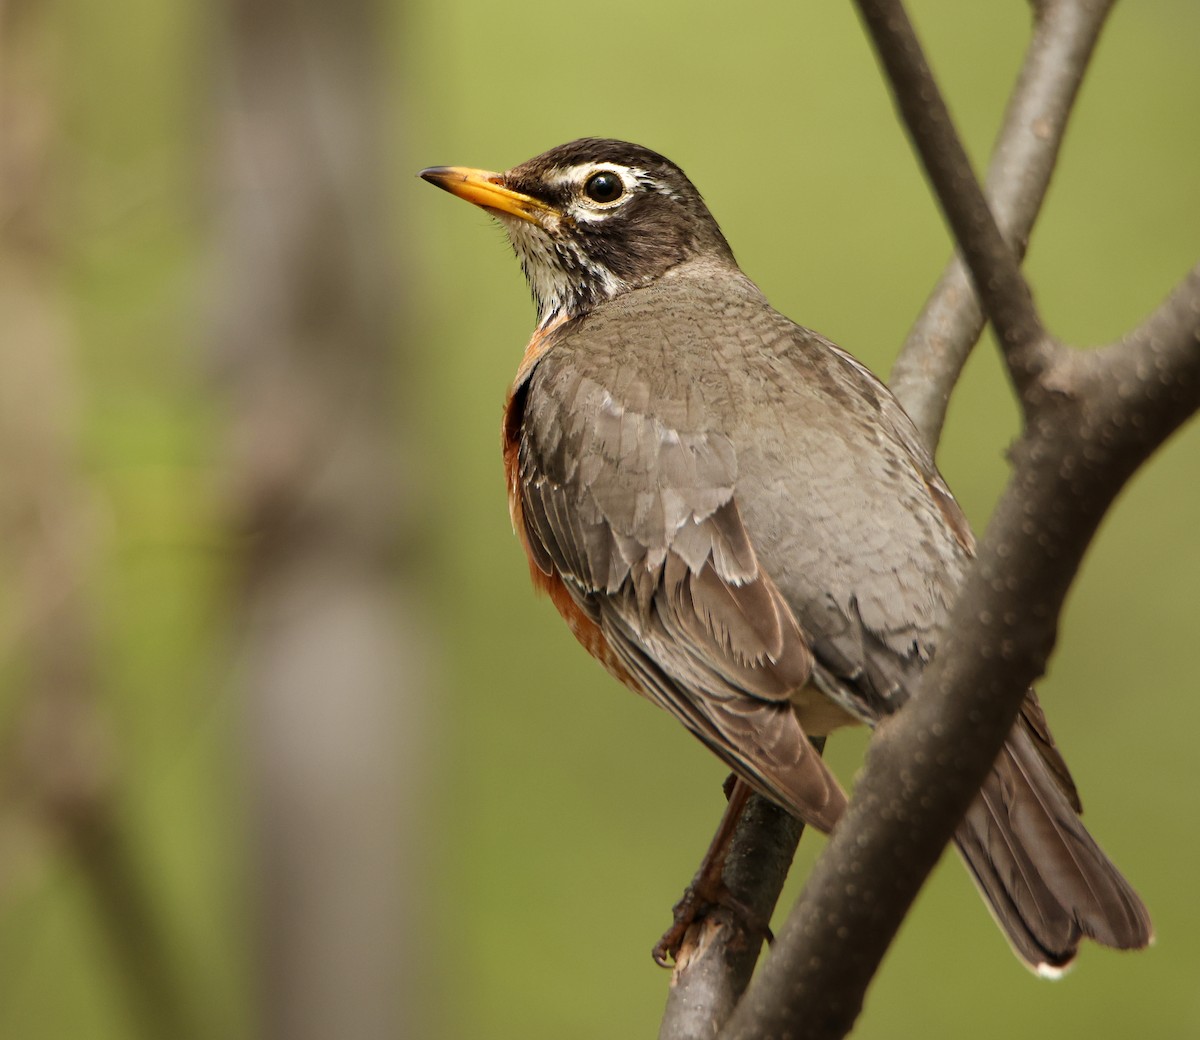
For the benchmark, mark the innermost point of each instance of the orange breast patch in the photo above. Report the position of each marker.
(582, 627)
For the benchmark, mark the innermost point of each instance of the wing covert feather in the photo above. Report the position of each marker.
(639, 520)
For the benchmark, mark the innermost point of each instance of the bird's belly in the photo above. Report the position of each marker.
(818, 715)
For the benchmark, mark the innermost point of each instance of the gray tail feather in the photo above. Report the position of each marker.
(1046, 881)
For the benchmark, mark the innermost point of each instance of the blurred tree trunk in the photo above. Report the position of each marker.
(332, 649)
(46, 533)
(60, 776)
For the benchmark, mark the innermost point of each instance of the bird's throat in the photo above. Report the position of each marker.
(564, 281)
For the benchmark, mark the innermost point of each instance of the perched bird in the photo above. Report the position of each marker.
(740, 522)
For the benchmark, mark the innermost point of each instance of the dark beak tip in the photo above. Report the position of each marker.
(440, 177)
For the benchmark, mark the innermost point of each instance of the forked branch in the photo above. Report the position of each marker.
(1004, 293)
(1025, 153)
(705, 989)
(1091, 420)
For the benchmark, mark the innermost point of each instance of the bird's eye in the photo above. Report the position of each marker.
(604, 187)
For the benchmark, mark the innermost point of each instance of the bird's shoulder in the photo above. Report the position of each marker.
(702, 349)
(701, 354)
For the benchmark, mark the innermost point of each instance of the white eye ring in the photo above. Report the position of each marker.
(604, 187)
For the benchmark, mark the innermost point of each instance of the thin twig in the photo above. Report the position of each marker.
(995, 269)
(1023, 159)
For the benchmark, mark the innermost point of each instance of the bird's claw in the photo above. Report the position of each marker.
(695, 904)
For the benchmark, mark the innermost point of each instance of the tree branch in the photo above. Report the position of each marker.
(1164, 345)
(995, 269)
(705, 989)
(719, 952)
(1091, 420)
(1105, 416)
(1023, 158)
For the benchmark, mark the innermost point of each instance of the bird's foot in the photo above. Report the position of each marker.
(708, 892)
(704, 896)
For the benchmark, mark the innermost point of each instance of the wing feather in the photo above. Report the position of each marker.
(640, 522)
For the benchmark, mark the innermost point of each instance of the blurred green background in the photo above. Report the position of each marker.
(562, 815)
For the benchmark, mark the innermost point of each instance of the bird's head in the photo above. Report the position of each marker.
(592, 219)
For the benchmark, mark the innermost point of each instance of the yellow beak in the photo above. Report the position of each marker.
(486, 189)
